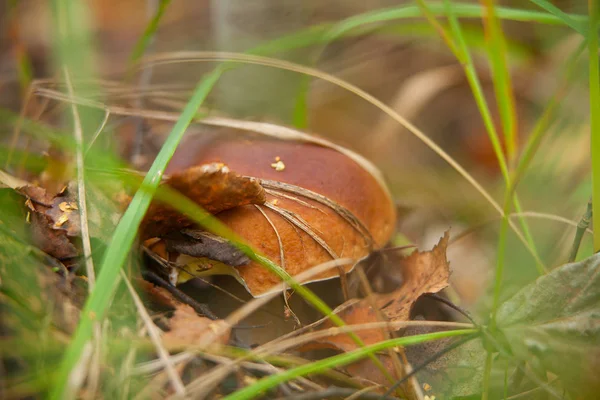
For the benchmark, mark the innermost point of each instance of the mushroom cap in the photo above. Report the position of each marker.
(315, 167)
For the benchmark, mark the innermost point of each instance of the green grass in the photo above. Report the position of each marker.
(124, 237)
(594, 71)
(260, 387)
(144, 42)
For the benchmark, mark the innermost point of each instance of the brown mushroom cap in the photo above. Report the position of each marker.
(306, 165)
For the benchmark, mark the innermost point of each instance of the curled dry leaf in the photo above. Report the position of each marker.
(52, 221)
(326, 203)
(212, 186)
(423, 272)
(188, 328)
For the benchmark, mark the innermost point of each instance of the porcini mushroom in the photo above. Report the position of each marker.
(322, 201)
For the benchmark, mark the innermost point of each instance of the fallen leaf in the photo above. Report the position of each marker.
(49, 227)
(423, 272)
(212, 186)
(188, 328)
(36, 194)
(9, 181)
(51, 241)
(65, 213)
(556, 321)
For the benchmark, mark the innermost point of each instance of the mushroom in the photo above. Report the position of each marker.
(322, 201)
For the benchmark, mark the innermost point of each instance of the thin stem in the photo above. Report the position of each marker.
(581, 228)
(337, 361)
(465, 59)
(594, 116)
(486, 376)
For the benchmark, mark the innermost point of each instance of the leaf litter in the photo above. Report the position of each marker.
(51, 227)
(423, 272)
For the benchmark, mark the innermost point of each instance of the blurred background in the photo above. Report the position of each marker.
(136, 63)
(402, 62)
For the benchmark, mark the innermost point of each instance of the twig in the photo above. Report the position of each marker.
(343, 212)
(200, 308)
(154, 334)
(528, 393)
(281, 262)
(289, 341)
(453, 306)
(400, 367)
(85, 232)
(263, 367)
(293, 198)
(94, 370)
(144, 80)
(302, 224)
(98, 131)
(126, 367)
(305, 226)
(79, 372)
(581, 228)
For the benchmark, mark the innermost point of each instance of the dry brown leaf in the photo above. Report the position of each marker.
(50, 226)
(188, 328)
(65, 214)
(212, 186)
(423, 272)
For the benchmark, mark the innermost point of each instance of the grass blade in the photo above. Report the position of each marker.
(460, 10)
(261, 386)
(462, 53)
(505, 98)
(576, 25)
(594, 69)
(146, 38)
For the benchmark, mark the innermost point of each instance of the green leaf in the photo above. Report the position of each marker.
(556, 322)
